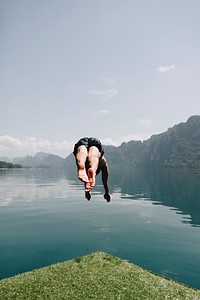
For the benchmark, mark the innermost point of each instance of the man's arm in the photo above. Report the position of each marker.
(105, 173)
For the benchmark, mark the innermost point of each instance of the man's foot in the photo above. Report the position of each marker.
(107, 197)
(82, 175)
(88, 195)
(91, 180)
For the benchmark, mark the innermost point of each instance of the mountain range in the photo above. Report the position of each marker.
(178, 147)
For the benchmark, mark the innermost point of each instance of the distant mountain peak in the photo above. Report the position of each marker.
(41, 155)
(193, 120)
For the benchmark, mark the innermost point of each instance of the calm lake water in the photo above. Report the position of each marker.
(153, 220)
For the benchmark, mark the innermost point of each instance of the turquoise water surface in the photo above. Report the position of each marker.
(153, 220)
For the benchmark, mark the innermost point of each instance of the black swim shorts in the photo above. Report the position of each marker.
(89, 142)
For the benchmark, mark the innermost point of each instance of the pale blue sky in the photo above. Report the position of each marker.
(116, 70)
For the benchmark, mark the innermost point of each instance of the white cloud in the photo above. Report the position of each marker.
(13, 147)
(101, 113)
(109, 81)
(134, 137)
(126, 138)
(108, 141)
(164, 69)
(105, 94)
(145, 122)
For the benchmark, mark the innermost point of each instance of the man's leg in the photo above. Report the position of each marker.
(81, 157)
(93, 160)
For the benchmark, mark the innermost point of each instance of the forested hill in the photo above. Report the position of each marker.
(178, 147)
(7, 165)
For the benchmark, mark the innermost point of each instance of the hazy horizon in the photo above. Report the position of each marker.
(40, 150)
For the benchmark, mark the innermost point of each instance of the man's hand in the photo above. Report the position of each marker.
(88, 195)
(107, 197)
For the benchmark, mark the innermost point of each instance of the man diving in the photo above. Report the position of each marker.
(90, 160)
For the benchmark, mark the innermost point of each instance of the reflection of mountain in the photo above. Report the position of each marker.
(30, 185)
(179, 189)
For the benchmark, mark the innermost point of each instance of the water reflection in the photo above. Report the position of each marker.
(22, 186)
(178, 189)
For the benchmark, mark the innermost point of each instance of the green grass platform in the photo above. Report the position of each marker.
(95, 276)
